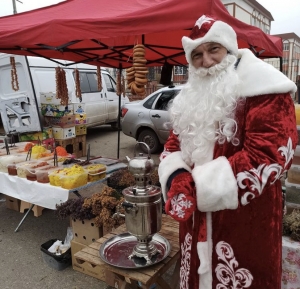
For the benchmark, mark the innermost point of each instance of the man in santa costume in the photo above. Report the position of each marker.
(233, 136)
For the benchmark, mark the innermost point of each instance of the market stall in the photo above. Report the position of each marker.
(104, 33)
(48, 180)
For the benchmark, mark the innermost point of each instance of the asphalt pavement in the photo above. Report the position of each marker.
(21, 262)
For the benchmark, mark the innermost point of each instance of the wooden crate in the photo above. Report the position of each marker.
(37, 210)
(12, 203)
(68, 144)
(142, 278)
(80, 146)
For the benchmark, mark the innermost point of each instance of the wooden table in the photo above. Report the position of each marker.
(142, 277)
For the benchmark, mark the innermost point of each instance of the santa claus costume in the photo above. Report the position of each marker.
(233, 136)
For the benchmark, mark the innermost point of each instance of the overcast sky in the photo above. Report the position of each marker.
(286, 13)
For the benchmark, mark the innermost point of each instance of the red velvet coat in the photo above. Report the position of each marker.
(233, 239)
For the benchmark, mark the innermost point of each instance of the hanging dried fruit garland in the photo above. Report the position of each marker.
(14, 76)
(119, 85)
(99, 78)
(137, 74)
(61, 86)
(123, 84)
(77, 84)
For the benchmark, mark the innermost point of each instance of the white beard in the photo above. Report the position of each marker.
(203, 112)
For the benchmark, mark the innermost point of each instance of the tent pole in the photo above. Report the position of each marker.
(119, 113)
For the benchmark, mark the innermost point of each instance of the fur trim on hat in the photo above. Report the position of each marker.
(216, 186)
(220, 32)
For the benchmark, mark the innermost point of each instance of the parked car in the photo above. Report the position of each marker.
(145, 120)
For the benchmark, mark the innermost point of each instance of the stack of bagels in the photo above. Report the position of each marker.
(136, 75)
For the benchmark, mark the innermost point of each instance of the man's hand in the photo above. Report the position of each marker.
(181, 201)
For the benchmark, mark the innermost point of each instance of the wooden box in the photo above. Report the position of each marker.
(80, 146)
(68, 145)
(12, 203)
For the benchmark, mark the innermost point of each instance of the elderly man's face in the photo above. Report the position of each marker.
(208, 54)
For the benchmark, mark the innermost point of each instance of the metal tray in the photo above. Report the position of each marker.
(115, 251)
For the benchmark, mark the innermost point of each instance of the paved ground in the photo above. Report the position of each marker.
(21, 263)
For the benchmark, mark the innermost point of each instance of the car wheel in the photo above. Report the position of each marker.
(149, 137)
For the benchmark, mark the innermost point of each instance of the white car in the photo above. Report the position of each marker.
(145, 120)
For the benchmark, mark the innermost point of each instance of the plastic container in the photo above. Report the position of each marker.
(96, 172)
(57, 262)
(31, 170)
(12, 169)
(74, 181)
(55, 175)
(69, 178)
(42, 174)
(10, 159)
(22, 168)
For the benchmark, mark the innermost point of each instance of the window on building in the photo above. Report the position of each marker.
(285, 60)
(180, 70)
(286, 46)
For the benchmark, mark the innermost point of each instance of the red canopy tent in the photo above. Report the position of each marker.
(104, 32)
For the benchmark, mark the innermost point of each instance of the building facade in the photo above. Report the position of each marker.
(250, 12)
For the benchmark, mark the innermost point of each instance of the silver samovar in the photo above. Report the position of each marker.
(143, 207)
(143, 216)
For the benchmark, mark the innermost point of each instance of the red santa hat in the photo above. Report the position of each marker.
(207, 29)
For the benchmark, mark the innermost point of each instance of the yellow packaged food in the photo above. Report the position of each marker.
(38, 152)
(69, 178)
(96, 172)
(54, 177)
(76, 176)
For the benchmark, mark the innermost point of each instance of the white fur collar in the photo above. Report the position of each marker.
(259, 77)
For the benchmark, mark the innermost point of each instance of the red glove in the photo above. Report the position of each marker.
(181, 201)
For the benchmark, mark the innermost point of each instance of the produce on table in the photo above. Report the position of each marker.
(69, 178)
(96, 172)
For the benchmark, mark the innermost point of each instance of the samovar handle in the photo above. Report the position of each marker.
(149, 155)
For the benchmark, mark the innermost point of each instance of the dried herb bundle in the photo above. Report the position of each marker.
(155, 178)
(100, 206)
(74, 208)
(121, 179)
(291, 225)
(104, 205)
